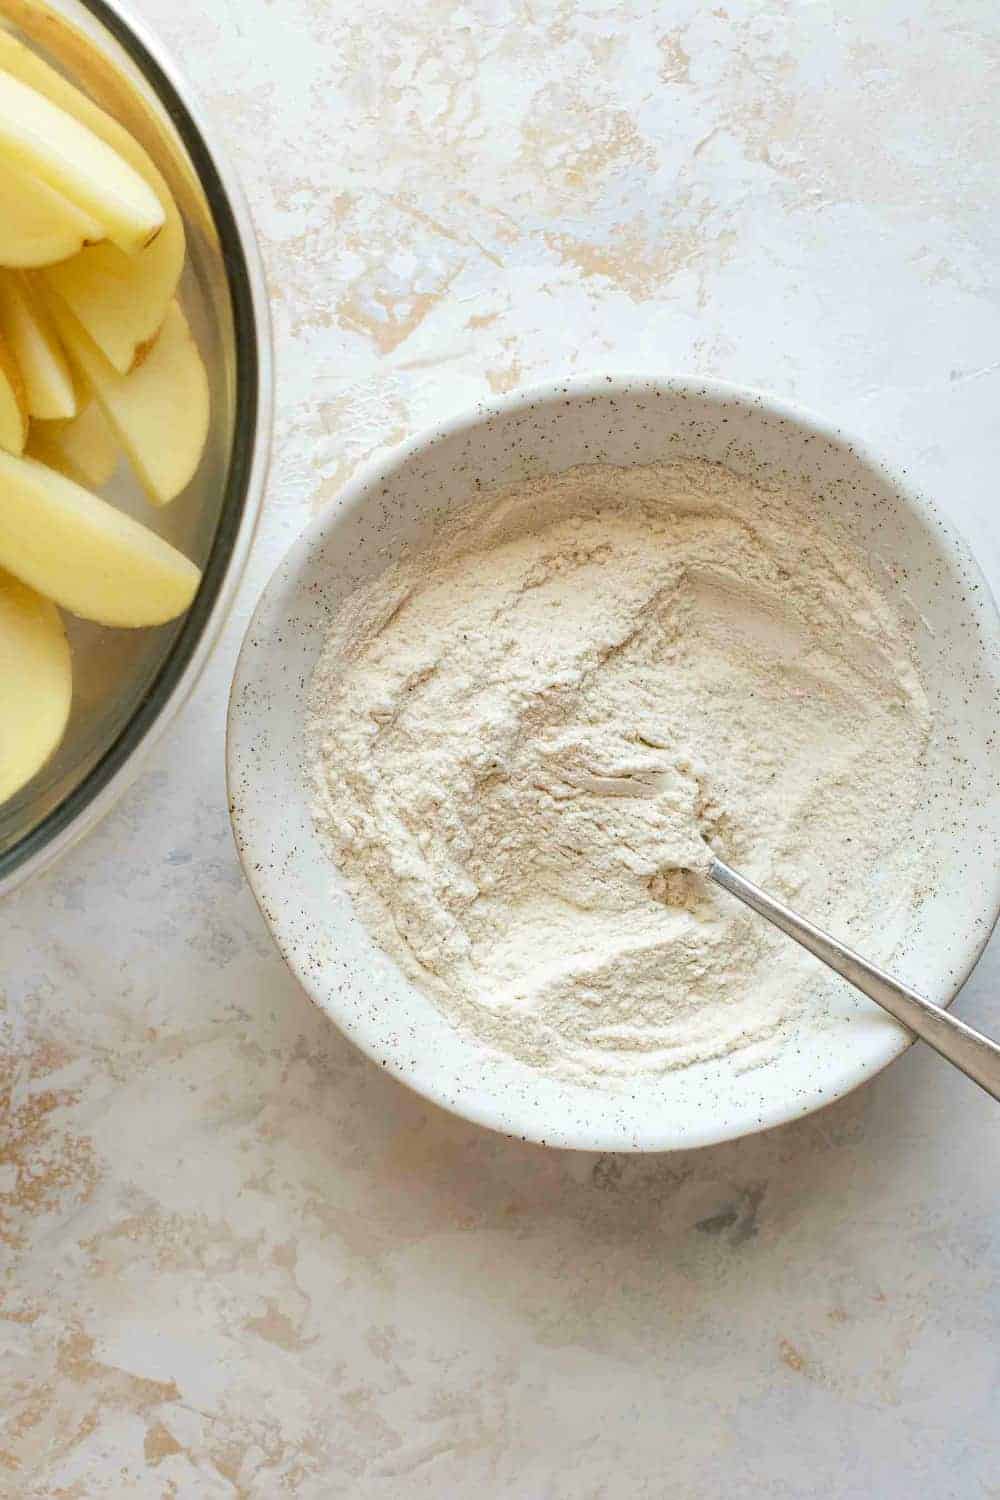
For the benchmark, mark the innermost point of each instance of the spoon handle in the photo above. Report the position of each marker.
(974, 1054)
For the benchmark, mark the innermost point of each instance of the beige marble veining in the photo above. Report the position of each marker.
(237, 1260)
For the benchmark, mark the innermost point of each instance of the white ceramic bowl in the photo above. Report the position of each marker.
(398, 501)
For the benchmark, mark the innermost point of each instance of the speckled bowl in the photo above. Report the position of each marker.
(926, 569)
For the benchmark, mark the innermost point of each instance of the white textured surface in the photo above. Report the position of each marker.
(241, 1261)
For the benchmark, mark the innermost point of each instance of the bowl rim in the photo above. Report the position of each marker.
(183, 664)
(480, 1108)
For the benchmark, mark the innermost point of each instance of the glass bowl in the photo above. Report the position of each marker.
(127, 684)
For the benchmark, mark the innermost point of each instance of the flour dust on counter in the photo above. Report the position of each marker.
(528, 735)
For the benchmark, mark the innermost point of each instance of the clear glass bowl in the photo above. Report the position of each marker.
(128, 683)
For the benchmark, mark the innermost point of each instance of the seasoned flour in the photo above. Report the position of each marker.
(528, 735)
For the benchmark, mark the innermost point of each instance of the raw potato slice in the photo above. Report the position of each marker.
(37, 224)
(84, 448)
(159, 413)
(36, 683)
(120, 301)
(90, 558)
(27, 327)
(80, 57)
(13, 406)
(38, 136)
(120, 308)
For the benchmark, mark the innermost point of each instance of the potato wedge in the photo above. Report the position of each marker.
(78, 55)
(13, 405)
(120, 300)
(37, 224)
(31, 337)
(84, 554)
(119, 310)
(160, 412)
(36, 683)
(43, 139)
(84, 448)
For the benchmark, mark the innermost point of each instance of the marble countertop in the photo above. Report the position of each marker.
(241, 1262)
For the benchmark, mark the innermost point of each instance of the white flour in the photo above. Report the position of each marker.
(527, 735)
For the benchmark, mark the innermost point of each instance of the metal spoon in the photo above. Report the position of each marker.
(976, 1055)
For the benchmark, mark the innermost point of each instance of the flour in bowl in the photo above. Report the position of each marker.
(528, 735)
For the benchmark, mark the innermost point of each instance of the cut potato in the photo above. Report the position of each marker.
(120, 300)
(84, 448)
(160, 412)
(36, 683)
(13, 405)
(119, 306)
(27, 327)
(80, 57)
(81, 552)
(37, 224)
(43, 139)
